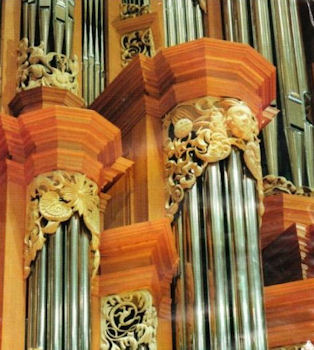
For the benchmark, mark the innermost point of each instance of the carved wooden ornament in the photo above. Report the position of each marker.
(203, 131)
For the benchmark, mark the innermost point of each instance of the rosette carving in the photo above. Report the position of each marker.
(54, 198)
(36, 68)
(203, 131)
(129, 321)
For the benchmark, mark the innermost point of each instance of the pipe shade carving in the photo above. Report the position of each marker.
(276, 184)
(36, 68)
(129, 10)
(129, 321)
(55, 197)
(203, 131)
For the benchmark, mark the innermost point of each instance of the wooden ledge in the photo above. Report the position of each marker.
(204, 67)
(59, 137)
(283, 210)
(290, 313)
(42, 97)
(139, 256)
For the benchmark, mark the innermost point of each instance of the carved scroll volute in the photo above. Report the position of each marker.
(203, 131)
(128, 321)
(53, 198)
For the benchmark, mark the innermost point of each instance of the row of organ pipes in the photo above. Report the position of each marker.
(216, 230)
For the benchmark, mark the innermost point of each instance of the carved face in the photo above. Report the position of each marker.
(241, 122)
(183, 127)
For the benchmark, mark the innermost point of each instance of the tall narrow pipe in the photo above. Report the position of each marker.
(41, 299)
(190, 21)
(30, 309)
(74, 280)
(197, 266)
(91, 54)
(66, 288)
(263, 44)
(25, 19)
(35, 302)
(102, 48)
(198, 22)
(254, 264)
(214, 211)
(309, 151)
(235, 323)
(180, 20)
(85, 55)
(165, 22)
(236, 194)
(84, 322)
(182, 280)
(50, 286)
(171, 30)
(32, 8)
(97, 55)
(44, 21)
(228, 20)
(243, 34)
(69, 26)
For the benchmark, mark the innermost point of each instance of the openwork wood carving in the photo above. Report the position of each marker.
(54, 198)
(279, 184)
(307, 346)
(133, 43)
(36, 68)
(129, 321)
(133, 10)
(202, 131)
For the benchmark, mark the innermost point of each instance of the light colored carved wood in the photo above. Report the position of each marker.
(289, 313)
(138, 257)
(283, 210)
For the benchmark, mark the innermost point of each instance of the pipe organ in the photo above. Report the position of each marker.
(132, 209)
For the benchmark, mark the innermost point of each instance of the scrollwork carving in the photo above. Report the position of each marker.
(129, 321)
(133, 43)
(279, 184)
(203, 131)
(307, 346)
(133, 10)
(36, 68)
(54, 198)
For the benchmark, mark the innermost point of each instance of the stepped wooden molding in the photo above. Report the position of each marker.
(290, 313)
(204, 67)
(42, 97)
(59, 137)
(136, 257)
(283, 210)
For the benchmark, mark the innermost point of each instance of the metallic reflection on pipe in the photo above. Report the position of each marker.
(214, 208)
(309, 151)
(254, 264)
(242, 21)
(197, 268)
(239, 233)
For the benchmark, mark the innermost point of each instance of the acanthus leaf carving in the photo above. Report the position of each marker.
(37, 68)
(203, 131)
(129, 320)
(133, 10)
(54, 198)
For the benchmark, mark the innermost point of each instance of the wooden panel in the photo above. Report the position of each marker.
(290, 313)
(213, 19)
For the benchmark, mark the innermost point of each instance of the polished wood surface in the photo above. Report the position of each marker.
(141, 257)
(290, 313)
(283, 210)
(204, 67)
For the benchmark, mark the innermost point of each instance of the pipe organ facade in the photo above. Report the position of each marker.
(156, 185)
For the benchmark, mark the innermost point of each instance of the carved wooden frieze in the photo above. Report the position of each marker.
(307, 346)
(37, 68)
(279, 184)
(136, 42)
(54, 198)
(129, 10)
(128, 321)
(203, 131)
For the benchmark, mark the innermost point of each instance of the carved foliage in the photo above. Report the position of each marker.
(54, 198)
(203, 131)
(129, 320)
(36, 68)
(133, 43)
(307, 346)
(133, 10)
(279, 184)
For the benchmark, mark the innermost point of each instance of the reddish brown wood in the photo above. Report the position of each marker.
(199, 68)
(290, 313)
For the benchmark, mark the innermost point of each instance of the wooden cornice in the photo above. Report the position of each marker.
(204, 67)
(42, 97)
(139, 256)
(67, 138)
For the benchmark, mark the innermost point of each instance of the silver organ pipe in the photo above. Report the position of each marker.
(93, 49)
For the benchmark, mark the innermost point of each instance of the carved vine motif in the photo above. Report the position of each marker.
(133, 10)
(129, 320)
(279, 184)
(36, 68)
(54, 198)
(133, 43)
(203, 131)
